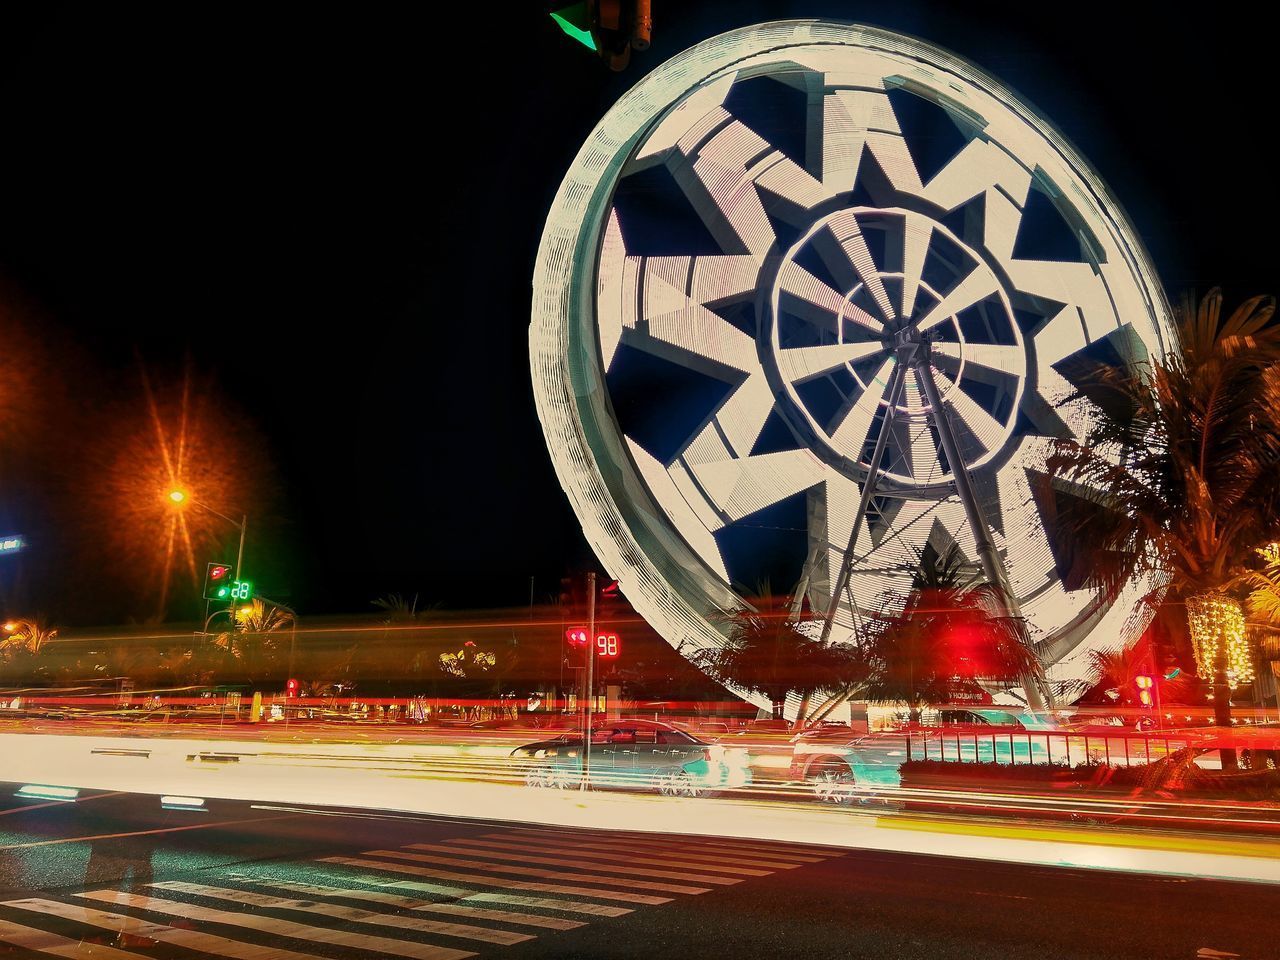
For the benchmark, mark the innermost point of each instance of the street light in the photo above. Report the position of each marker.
(180, 497)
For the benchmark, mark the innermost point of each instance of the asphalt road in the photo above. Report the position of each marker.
(114, 876)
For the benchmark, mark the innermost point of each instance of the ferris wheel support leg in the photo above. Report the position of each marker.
(1038, 697)
(894, 393)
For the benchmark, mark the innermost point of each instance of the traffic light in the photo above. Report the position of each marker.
(291, 688)
(612, 28)
(577, 636)
(1145, 685)
(217, 582)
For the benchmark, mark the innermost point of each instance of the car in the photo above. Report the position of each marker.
(636, 753)
(846, 770)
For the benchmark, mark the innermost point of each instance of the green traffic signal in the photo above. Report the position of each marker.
(217, 581)
(579, 30)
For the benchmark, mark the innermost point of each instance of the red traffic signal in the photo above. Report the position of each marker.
(217, 581)
(291, 688)
(577, 636)
(607, 645)
(1144, 685)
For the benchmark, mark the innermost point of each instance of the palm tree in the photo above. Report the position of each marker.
(947, 640)
(252, 643)
(769, 653)
(1178, 477)
(1117, 670)
(25, 637)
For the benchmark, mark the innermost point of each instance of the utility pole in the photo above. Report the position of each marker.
(591, 679)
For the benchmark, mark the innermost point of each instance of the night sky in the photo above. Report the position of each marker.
(333, 229)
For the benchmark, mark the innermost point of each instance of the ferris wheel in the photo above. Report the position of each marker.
(814, 299)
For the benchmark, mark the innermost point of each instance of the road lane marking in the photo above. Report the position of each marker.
(504, 882)
(1094, 837)
(626, 884)
(415, 903)
(484, 896)
(740, 843)
(59, 803)
(587, 848)
(658, 849)
(691, 844)
(41, 941)
(280, 928)
(349, 914)
(140, 833)
(187, 939)
(561, 862)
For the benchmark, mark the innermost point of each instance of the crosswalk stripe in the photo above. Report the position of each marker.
(485, 896)
(538, 872)
(42, 941)
(187, 939)
(654, 850)
(350, 914)
(281, 928)
(427, 906)
(560, 862)
(586, 850)
(503, 882)
(802, 852)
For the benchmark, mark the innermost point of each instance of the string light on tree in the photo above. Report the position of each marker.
(1217, 619)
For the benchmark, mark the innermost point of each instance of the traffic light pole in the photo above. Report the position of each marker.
(590, 678)
(244, 522)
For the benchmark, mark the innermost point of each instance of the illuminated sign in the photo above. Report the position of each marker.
(607, 645)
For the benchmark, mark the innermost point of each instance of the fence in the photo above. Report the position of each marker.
(1043, 746)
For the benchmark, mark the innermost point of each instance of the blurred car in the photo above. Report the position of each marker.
(841, 770)
(827, 731)
(636, 753)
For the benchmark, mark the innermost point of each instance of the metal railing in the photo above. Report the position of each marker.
(1043, 746)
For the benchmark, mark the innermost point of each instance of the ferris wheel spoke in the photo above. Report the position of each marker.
(804, 363)
(803, 295)
(720, 176)
(979, 284)
(845, 116)
(917, 233)
(823, 303)
(735, 426)
(993, 356)
(842, 239)
(741, 487)
(987, 429)
(980, 168)
(680, 329)
(851, 435)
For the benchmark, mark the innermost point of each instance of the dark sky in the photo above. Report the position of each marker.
(337, 222)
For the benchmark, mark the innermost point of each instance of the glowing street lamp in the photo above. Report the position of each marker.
(180, 498)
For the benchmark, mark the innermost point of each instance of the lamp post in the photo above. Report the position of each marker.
(181, 497)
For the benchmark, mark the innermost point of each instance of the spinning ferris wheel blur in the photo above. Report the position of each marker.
(815, 299)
